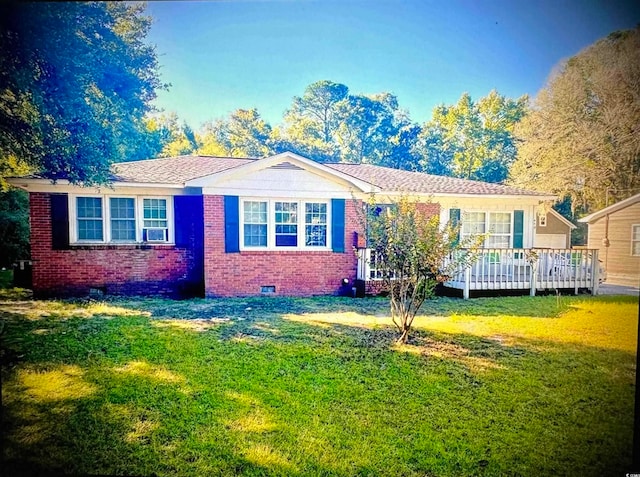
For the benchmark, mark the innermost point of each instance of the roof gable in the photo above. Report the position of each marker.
(286, 161)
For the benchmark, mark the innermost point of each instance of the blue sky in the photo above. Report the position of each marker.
(224, 55)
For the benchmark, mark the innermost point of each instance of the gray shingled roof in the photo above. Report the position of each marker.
(174, 170)
(179, 170)
(397, 180)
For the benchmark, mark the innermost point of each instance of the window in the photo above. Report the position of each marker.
(271, 224)
(120, 219)
(155, 220)
(286, 224)
(499, 230)
(497, 226)
(315, 224)
(255, 224)
(89, 214)
(123, 219)
(635, 240)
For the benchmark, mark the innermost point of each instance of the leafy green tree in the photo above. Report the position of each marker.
(412, 254)
(330, 125)
(473, 140)
(243, 134)
(76, 80)
(175, 138)
(582, 138)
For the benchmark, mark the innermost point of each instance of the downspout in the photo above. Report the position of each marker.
(605, 242)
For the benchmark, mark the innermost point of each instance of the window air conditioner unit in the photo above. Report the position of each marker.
(154, 234)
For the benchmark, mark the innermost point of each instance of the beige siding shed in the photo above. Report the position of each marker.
(615, 231)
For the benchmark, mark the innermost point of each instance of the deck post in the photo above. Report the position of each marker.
(533, 278)
(595, 272)
(467, 283)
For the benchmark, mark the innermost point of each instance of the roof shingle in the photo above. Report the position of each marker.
(397, 180)
(174, 170)
(181, 169)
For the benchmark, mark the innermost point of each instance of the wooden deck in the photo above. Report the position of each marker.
(514, 269)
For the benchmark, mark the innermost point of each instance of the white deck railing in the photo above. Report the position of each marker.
(513, 269)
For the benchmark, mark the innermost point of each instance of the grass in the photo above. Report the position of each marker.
(277, 386)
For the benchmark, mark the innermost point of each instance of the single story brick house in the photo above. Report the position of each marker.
(615, 230)
(219, 226)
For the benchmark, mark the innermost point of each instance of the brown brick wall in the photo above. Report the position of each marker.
(126, 269)
(293, 273)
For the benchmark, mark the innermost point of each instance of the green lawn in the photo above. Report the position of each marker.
(275, 386)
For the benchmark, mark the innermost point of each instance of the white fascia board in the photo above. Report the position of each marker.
(63, 185)
(562, 219)
(537, 198)
(211, 180)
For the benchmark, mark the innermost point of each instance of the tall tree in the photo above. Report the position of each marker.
(582, 137)
(243, 134)
(76, 80)
(473, 140)
(330, 125)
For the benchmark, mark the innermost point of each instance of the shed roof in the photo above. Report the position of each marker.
(623, 204)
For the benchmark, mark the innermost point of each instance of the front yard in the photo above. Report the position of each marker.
(276, 386)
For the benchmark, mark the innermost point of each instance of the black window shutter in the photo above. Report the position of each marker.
(337, 225)
(518, 228)
(454, 220)
(59, 221)
(231, 223)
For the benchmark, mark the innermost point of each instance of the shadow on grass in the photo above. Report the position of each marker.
(231, 387)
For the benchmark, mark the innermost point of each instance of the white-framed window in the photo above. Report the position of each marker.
(497, 226)
(635, 240)
(315, 224)
(89, 219)
(255, 223)
(120, 219)
(122, 211)
(276, 224)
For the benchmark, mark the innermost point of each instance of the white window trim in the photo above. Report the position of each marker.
(106, 219)
(271, 225)
(633, 226)
(487, 224)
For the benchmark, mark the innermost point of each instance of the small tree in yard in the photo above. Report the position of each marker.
(412, 253)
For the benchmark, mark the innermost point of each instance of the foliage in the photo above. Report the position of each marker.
(582, 138)
(243, 134)
(14, 226)
(412, 253)
(472, 140)
(331, 125)
(278, 386)
(76, 80)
